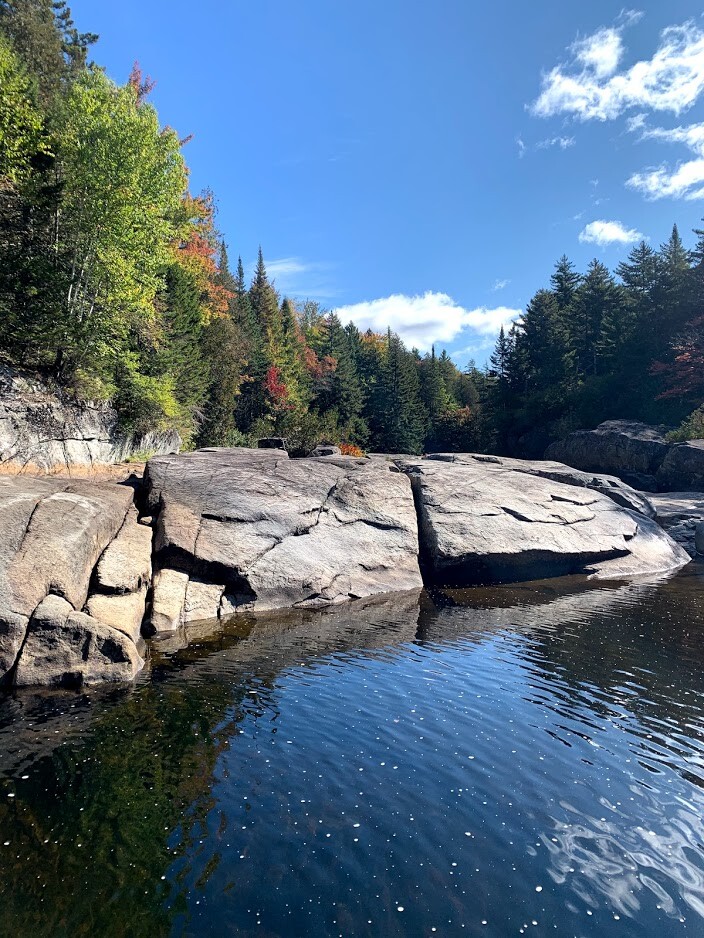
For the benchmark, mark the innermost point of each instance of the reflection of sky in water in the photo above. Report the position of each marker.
(532, 762)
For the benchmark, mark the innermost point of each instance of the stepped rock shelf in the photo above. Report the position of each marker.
(85, 572)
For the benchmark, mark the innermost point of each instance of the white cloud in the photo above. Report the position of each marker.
(521, 148)
(601, 52)
(500, 285)
(686, 179)
(424, 320)
(590, 86)
(562, 142)
(608, 232)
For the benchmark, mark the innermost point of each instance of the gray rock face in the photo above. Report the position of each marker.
(483, 521)
(639, 454)
(270, 532)
(67, 648)
(683, 467)
(616, 446)
(126, 565)
(54, 533)
(681, 514)
(607, 485)
(43, 430)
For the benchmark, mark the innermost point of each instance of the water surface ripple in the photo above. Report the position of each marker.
(505, 761)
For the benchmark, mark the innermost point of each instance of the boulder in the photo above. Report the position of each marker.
(616, 446)
(168, 599)
(680, 514)
(482, 521)
(43, 429)
(54, 532)
(683, 467)
(274, 533)
(65, 648)
(324, 450)
(607, 485)
(121, 611)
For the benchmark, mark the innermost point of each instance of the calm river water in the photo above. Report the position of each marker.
(506, 761)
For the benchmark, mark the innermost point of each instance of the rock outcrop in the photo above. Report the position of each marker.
(224, 531)
(681, 514)
(607, 485)
(483, 520)
(43, 430)
(639, 454)
(631, 450)
(54, 534)
(682, 469)
(254, 529)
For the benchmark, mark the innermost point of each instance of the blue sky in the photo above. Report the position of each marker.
(424, 164)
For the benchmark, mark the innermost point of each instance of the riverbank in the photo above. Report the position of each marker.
(88, 570)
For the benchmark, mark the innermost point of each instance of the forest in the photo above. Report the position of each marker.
(115, 284)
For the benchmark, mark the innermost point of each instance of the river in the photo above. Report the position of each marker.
(516, 760)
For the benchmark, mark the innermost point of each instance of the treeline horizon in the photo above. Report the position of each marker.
(116, 284)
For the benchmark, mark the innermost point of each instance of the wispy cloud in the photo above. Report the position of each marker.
(608, 232)
(301, 279)
(686, 179)
(500, 285)
(521, 148)
(431, 318)
(590, 86)
(562, 142)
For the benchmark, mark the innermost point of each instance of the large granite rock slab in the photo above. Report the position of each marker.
(607, 485)
(483, 521)
(622, 447)
(274, 533)
(44, 430)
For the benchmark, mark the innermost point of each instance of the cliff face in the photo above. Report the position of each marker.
(42, 430)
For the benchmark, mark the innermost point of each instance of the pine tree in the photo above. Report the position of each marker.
(405, 417)
(564, 282)
(598, 299)
(500, 357)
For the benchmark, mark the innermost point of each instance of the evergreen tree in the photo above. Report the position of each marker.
(564, 282)
(405, 417)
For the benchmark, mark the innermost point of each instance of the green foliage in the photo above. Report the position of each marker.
(22, 134)
(692, 428)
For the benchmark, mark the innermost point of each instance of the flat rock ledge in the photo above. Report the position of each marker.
(85, 573)
(244, 529)
(488, 519)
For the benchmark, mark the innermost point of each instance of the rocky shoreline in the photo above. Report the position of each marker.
(89, 568)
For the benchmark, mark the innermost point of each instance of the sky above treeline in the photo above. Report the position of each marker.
(423, 165)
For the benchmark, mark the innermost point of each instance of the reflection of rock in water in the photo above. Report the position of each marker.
(280, 640)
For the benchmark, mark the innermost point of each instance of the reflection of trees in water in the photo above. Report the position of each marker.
(90, 830)
(119, 787)
(128, 773)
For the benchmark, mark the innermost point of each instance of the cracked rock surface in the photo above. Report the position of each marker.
(486, 520)
(43, 430)
(253, 529)
(54, 533)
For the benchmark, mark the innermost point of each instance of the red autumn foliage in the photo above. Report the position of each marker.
(349, 449)
(276, 389)
(197, 252)
(684, 375)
